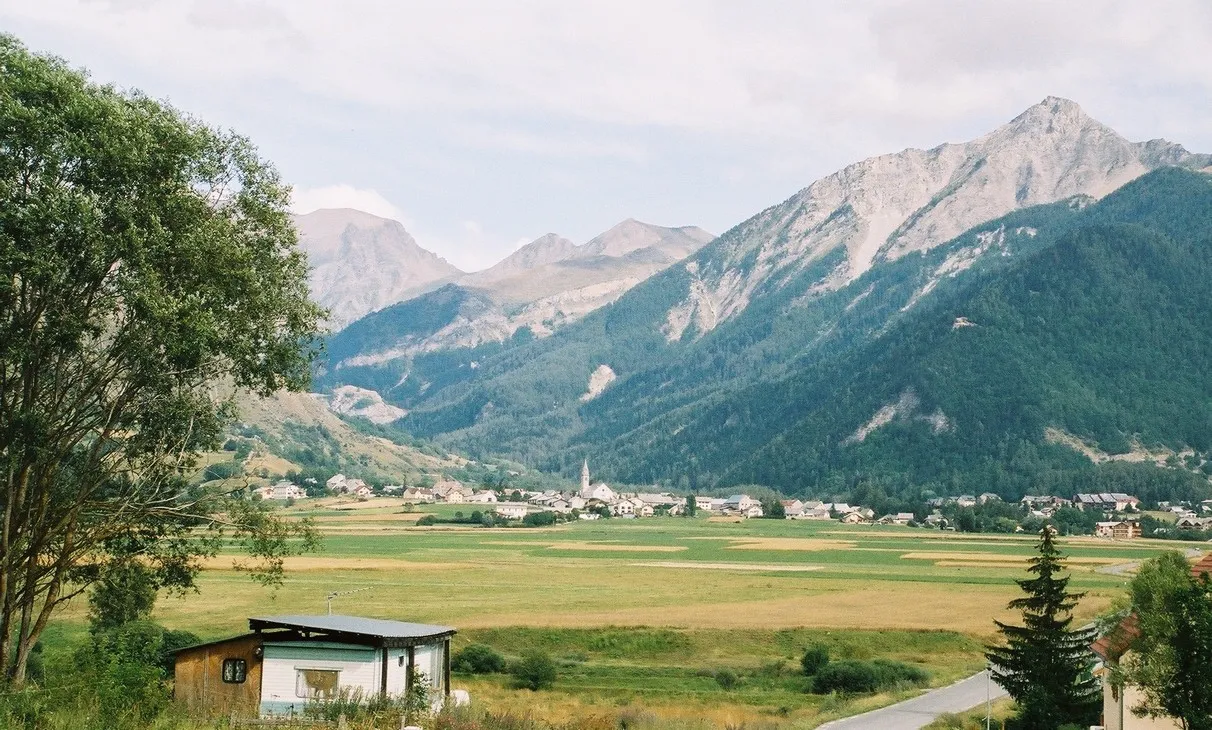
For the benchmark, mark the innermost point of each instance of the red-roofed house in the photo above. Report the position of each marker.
(1110, 648)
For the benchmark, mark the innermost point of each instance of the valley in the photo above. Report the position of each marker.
(642, 615)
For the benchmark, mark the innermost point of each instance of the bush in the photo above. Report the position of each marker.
(727, 679)
(855, 677)
(427, 520)
(814, 660)
(539, 519)
(534, 671)
(478, 659)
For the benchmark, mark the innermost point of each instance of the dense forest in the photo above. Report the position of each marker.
(1086, 318)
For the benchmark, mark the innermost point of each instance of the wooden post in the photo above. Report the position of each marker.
(383, 679)
(412, 663)
(446, 668)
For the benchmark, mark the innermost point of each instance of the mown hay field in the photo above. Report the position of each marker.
(643, 614)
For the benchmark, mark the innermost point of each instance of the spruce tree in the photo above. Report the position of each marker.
(1044, 664)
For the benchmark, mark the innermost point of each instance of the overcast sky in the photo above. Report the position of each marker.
(482, 123)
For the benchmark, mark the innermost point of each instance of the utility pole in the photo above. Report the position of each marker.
(988, 703)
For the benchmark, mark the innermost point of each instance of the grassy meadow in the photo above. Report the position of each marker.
(644, 615)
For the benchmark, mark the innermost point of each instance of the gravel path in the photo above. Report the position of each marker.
(922, 710)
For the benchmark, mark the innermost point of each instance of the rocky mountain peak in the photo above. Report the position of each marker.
(545, 249)
(361, 263)
(633, 235)
(885, 207)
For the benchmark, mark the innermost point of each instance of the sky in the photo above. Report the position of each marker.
(483, 124)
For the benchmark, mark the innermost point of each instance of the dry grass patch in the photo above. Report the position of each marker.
(310, 564)
(692, 564)
(594, 546)
(805, 544)
(999, 558)
(912, 606)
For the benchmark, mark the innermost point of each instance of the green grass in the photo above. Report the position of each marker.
(642, 613)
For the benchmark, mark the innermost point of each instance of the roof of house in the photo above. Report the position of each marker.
(387, 632)
(1203, 566)
(1112, 645)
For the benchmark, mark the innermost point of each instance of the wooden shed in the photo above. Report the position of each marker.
(288, 661)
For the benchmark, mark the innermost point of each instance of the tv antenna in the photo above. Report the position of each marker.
(336, 594)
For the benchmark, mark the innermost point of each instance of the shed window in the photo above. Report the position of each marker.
(235, 671)
(319, 684)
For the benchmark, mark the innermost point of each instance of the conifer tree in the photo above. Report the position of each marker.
(1045, 664)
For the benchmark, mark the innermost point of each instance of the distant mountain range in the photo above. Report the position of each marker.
(801, 348)
(362, 264)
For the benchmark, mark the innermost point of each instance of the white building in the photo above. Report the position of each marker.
(289, 661)
(515, 510)
(594, 491)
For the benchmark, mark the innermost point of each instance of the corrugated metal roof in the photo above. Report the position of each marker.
(372, 627)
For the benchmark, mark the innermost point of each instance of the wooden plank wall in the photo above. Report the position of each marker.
(199, 684)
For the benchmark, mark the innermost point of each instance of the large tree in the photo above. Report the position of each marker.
(1045, 663)
(148, 266)
(1171, 659)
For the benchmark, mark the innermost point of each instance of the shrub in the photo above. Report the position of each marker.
(478, 659)
(855, 677)
(427, 520)
(727, 679)
(534, 671)
(539, 519)
(846, 676)
(814, 660)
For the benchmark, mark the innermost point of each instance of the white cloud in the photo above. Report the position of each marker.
(798, 70)
(537, 115)
(306, 200)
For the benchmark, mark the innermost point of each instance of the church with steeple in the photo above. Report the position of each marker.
(594, 491)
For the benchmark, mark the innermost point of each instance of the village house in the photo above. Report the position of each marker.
(288, 661)
(703, 504)
(900, 518)
(936, 519)
(486, 496)
(987, 497)
(1111, 648)
(965, 500)
(1194, 523)
(817, 512)
(282, 490)
(336, 483)
(1106, 501)
(418, 495)
(516, 510)
(853, 518)
(792, 508)
(1120, 530)
(451, 491)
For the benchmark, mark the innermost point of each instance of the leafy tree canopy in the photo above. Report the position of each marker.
(148, 267)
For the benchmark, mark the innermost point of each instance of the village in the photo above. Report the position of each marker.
(1121, 513)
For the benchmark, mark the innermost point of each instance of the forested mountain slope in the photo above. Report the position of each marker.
(1096, 331)
(1082, 319)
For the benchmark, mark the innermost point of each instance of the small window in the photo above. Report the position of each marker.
(235, 671)
(317, 684)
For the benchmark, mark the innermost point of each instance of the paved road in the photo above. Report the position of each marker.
(922, 710)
